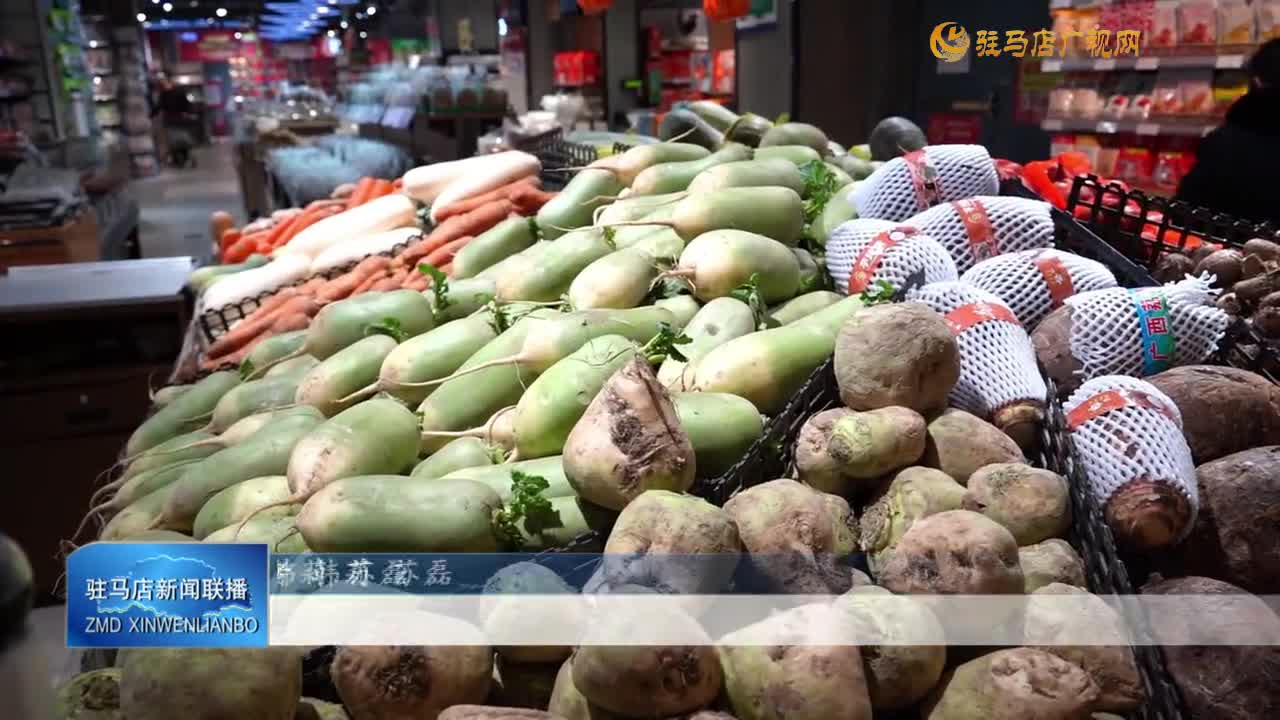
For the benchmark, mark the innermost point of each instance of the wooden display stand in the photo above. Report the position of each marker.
(71, 242)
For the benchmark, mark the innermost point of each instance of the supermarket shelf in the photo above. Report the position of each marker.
(1152, 127)
(1233, 60)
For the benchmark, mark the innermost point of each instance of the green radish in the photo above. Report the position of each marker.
(267, 453)
(574, 206)
(528, 256)
(838, 210)
(457, 405)
(160, 536)
(549, 277)
(278, 533)
(862, 152)
(132, 490)
(766, 367)
(274, 350)
(676, 176)
(234, 504)
(140, 516)
(331, 386)
(493, 245)
(187, 412)
(799, 155)
(555, 402)
(465, 452)
(427, 357)
(634, 208)
(749, 173)
(253, 397)
(714, 114)
(682, 307)
(167, 394)
(796, 134)
(655, 240)
(774, 212)
(188, 446)
(631, 163)
(682, 124)
(463, 298)
(856, 167)
(801, 307)
(717, 262)
(201, 278)
(568, 518)
(718, 322)
(391, 513)
(721, 428)
(749, 130)
(298, 365)
(813, 276)
(498, 477)
(843, 179)
(400, 313)
(618, 280)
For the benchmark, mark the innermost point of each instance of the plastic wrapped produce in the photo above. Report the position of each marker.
(999, 380)
(1033, 283)
(978, 228)
(923, 178)
(1129, 438)
(862, 252)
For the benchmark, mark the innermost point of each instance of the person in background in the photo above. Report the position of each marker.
(1236, 164)
(175, 110)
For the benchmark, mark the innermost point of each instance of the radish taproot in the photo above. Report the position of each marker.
(748, 173)
(717, 262)
(233, 504)
(140, 516)
(278, 532)
(716, 323)
(297, 365)
(676, 176)
(188, 412)
(766, 367)
(721, 428)
(634, 208)
(275, 348)
(682, 307)
(795, 134)
(133, 490)
(493, 245)
(499, 477)
(799, 155)
(774, 212)
(253, 397)
(801, 307)
(167, 394)
(188, 446)
(463, 453)
(430, 356)
(618, 280)
(329, 386)
(574, 206)
(628, 165)
(548, 276)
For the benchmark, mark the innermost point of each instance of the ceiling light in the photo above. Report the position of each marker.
(142, 17)
(239, 36)
(220, 12)
(364, 34)
(322, 9)
(168, 7)
(370, 11)
(333, 34)
(344, 25)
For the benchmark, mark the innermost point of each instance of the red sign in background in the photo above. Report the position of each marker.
(951, 128)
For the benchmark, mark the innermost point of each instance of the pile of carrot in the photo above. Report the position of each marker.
(292, 308)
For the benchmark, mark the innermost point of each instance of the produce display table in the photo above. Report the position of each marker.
(75, 241)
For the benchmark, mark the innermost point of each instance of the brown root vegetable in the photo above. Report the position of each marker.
(814, 465)
(960, 443)
(1225, 265)
(899, 354)
(493, 712)
(1272, 300)
(1224, 410)
(1052, 341)
(1252, 266)
(310, 708)
(1236, 537)
(861, 579)
(406, 681)
(523, 685)
(1059, 628)
(210, 683)
(1230, 304)
(1204, 251)
(1148, 516)
(1264, 249)
(1173, 267)
(898, 673)
(93, 695)
(915, 493)
(1217, 681)
(844, 524)
(502, 611)
(956, 552)
(652, 681)
(1031, 503)
(774, 669)
(569, 703)
(1267, 322)
(789, 532)
(220, 221)
(871, 444)
(1017, 684)
(1051, 561)
(629, 440)
(1254, 289)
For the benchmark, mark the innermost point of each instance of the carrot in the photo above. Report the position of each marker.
(370, 281)
(416, 281)
(241, 250)
(251, 326)
(344, 285)
(380, 187)
(305, 220)
(398, 185)
(294, 321)
(391, 283)
(327, 203)
(472, 223)
(361, 195)
(444, 254)
(529, 199)
(471, 203)
(272, 240)
(228, 239)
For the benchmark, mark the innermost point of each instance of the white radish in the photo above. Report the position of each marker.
(252, 283)
(379, 215)
(357, 249)
(497, 170)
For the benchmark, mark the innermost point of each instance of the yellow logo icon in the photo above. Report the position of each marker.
(949, 42)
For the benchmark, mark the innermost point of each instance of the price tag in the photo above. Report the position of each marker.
(1148, 128)
(1229, 62)
(1104, 64)
(1051, 125)
(1147, 63)
(1051, 66)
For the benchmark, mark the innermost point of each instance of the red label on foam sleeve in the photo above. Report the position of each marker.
(977, 227)
(1112, 400)
(1056, 278)
(967, 316)
(924, 179)
(868, 261)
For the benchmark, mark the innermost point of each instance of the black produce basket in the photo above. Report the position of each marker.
(557, 155)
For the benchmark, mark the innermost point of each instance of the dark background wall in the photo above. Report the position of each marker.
(764, 62)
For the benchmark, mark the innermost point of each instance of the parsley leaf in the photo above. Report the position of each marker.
(527, 506)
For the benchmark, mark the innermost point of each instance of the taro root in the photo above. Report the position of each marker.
(956, 552)
(898, 673)
(1267, 322)
(1236, 537)
(960, 443)
(1218, 681)
(1051, 561)
(915, 493)
(210, 683)
(628, 441)
(94, 695)
(1224, 265)
(1060, 628)
(399, 682)
(1264, 249)
(1031, 503)
(1224, 410)
(1052, 341)
(869, 445)
(814, 465)
(1252, 266)
(789, 530)
(1230, 304)
(1202, 252)
(1173, 267)
(775, 670)
(1148, 516)
(1017, 684)
(899, 354)
(1255, 288)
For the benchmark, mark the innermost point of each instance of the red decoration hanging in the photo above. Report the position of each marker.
(594, 6)
(722, 10)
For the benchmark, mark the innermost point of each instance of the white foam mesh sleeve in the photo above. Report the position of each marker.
(963, 172)
(1020, 282)
(997, 361)
(917, 260)
(1132, 443)
(1016, 224)
(1106, 332)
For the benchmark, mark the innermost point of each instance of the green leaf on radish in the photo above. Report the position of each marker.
(749, 293)
(663, 345)
(439, 285)
(528, 506)
(783, 119)
(246, 369)
(819, 185)
(881, 291)
(388, 326)
(501, 321)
